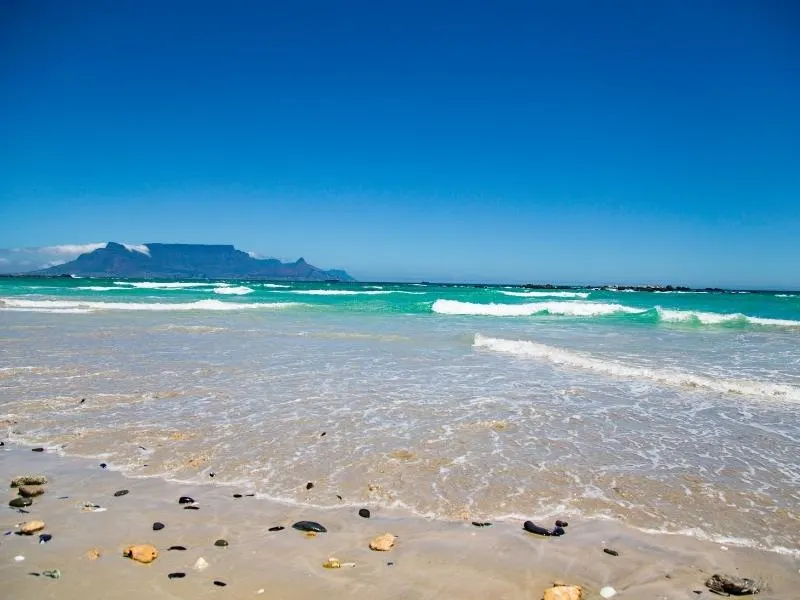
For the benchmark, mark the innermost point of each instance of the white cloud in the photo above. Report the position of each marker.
(142, 248)
(72, 250)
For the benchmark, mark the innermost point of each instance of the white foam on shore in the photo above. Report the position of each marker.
(547, 294)
(274, 285)
(99, 288)
(701, 534)
(233, 290)
(88, 306)
(165, 285)
(576, 309)
(351, 292)
(586, 362)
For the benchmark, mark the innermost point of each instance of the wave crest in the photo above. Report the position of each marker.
(546, 294)
(575, 309)
(60, 306)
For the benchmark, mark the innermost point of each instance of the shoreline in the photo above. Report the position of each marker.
(432, 558)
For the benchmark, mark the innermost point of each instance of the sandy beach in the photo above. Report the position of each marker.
(431, 559)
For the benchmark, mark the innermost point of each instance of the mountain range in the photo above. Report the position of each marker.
(187, 261)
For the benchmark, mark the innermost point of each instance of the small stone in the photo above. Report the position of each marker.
(28, 480)
(364, 513)
(44, 538)
(219, 583)
(481, 524)
(277, 528)
(250, 495)
(31, 527)
(176, 548)
(93, 554)
(608, 592)
(103, 465)
(332, 563)
(19, 558)
(309, 485)
(730, 584)
(237, 495)
(221, 543)
(564, 592)
(119, 493)
(19, 502)
(382, 543)
(212, 474)
(200, 564)
(191, 507)
(143, 553)
(185, 500)
(309, 526)
(323, 434)
(532, 527)
(390, 564)
(610, 551)
(54, 574)
(339, 497)
(176, 575)
(34, 573)
(157, 526)
(30, 491)
(39, 449)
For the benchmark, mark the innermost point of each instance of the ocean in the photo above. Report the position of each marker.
(673, 412)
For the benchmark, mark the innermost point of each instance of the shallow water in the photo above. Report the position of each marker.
(673, 412)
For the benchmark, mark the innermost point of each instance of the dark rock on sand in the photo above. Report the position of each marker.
(119, 493)
(185, 500)
(237, 495)
(158, 526)
(558, 531)
(730, 584)
(277, 528)
(40, 449)
(103, 465)
(176, 575)
(481, 524)
(309, 526)
(560, 523)
(44, 538)
(176, 548)
(191, 507)
(532, 527)
(610, 551)
(219, 583)
(212, 474)
(28, 480)
(364, 513)
(221, 543)
(30, 491)
(20, 502)
(309, 485)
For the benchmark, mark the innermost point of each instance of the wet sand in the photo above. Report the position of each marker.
(432, 559)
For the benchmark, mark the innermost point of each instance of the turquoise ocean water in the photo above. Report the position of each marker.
(673, 412)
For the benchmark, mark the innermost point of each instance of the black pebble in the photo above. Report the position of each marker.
(480, 524)
(610, 551)
(558, 531)
(176, 575)
(103, 465)
(82, 401)
(220, 583)
(37, 449)
(250, 495)
(34, 574)
(237, 495)
(20, 502)
(221, 543)
(309, 526)
(157, 526)
(2, 444)
(191, 507)
(560, 523)
(44, 538)
(323, 434)
(389, 564)
(176, 548)
(532, 527)
(63, 498)
(364, 513)
(278, 528)
(185, 500)
(211, 474)
(339, 497)
(120, 493)
(309, 485)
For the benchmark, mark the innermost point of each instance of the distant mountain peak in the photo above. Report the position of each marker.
(187, 261)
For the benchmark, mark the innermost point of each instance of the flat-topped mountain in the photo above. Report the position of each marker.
(187, 261)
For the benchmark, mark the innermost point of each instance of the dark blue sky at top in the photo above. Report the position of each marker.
(528, 141)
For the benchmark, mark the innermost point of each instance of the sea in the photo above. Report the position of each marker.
(671, 412)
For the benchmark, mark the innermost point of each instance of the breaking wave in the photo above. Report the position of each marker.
(577, 309)
(350, 292)
(233, 290)
(164, 285)
(586, 362)
(74, 306)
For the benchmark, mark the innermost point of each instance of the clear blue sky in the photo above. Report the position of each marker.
(529, 141)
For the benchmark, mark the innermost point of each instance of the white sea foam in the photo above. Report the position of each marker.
(99, 288)
(587, 362)
(574, 309)
(274, 285)
(547, 294)
(233, 290)
(350, 292)
(77, 305)
(786, 295)
(679, 292)
(163, 285)
(701, 534)
(711, 318)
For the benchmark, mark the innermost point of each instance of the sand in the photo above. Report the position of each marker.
(431, 559)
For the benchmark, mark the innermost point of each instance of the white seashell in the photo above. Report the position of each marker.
(608, 592)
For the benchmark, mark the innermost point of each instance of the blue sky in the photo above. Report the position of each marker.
(522, 141)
